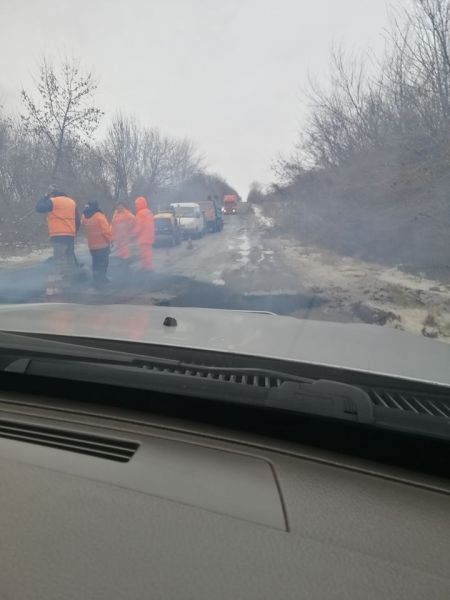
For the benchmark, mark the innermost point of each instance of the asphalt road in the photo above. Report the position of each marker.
(248, 267)
(233, 269)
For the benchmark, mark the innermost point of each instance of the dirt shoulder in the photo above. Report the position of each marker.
(361, 291)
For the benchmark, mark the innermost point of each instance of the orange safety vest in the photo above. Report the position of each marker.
(98, 231)
(61, 220)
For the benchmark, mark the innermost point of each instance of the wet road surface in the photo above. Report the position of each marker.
(233, 269)
(248, 267)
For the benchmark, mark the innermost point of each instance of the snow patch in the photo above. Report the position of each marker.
(261, 218)
(349, 282)
(23, 259)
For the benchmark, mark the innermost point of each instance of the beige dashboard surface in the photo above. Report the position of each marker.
(344, 534)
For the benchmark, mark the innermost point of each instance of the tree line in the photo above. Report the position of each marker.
(53, 141)
(370, 174)
(398, 105)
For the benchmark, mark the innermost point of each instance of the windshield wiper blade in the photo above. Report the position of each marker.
(169, 377)
(35, 345)
(30, 347)
(322, 398)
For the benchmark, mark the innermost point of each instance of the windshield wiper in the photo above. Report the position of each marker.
(32, 347)
(259, 388)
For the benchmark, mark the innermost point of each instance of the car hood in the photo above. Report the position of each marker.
(367, 348)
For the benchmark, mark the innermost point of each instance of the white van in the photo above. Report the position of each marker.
(190, 219)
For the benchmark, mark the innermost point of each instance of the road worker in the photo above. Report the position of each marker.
(98, 233)
(144, 232)
(63, 221)
(122, 226)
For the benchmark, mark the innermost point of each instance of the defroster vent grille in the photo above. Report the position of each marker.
(423, 404)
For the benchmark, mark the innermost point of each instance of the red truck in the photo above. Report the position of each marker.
(230, 203)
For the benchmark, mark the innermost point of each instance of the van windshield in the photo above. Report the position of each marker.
(186, 211)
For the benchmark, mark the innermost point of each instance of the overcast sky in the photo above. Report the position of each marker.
(226, 73)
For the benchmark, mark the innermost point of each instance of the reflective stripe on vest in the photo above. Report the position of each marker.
(61, 220)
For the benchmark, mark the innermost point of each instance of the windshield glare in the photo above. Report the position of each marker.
(314, 136)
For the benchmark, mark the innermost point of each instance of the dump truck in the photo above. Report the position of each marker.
(230, 203)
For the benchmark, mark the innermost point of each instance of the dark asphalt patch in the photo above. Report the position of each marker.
(136, 287)
(205, 295)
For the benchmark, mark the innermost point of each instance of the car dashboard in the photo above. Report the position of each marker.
(110, 502)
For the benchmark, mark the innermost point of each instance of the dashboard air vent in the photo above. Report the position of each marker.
(101, 447)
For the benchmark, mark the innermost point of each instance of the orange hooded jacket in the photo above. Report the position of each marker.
(122, 225)
(98, 231)
(144, 223)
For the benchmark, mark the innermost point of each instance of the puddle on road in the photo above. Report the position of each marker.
(241, 248)
(244, 243)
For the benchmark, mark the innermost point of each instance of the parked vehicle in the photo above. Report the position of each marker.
(230, 204)
(167, 230)
(190, 219)
(213, 216)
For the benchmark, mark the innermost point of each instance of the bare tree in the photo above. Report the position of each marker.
(184, 161)
(403, 108)
(5, 181)
(155, 165)
(431, 21)
(63, 109)
(139, 160)
(121, 152)
(420, 64)
(165, 162)
(256, 193)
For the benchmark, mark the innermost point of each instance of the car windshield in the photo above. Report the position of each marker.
(186, 211)
(163, 223)
(317, 132)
